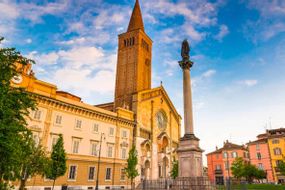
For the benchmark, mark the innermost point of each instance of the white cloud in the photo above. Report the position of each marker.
(201, 78)
(222, 33)
(8, 10)
(80, 70)
(271, 21)
(29, 40)
(249, 82)
(209, 73)
(34, 12)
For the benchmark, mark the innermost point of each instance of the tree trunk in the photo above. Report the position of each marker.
(132, 184)
(53, 184)
(22, 184)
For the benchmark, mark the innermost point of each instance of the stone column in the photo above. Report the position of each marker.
(187, 95)
(189, 152)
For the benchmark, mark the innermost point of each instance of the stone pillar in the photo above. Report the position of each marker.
(189, 152)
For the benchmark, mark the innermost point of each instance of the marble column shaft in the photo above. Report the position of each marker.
(187, 95)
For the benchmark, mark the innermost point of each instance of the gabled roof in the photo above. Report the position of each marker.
(136, 21)
(228, 146)
(165, 95)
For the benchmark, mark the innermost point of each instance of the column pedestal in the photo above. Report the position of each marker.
(190, 157)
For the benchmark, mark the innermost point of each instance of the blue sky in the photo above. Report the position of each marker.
(238, 47)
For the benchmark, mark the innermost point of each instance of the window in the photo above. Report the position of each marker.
(37, 114)
(91, 173)
(123, 174)
(217, 156)
(275, 141)
(124, 134)
(227, 165)
(258, 156)
(93, 146)
(58, 119)
(78, 124)
(111, 131)
(257, 147)
(124, 153)
(95, 128)
(36, 138)
(260, 166)
(277, 151)
(108, 174)
(72, 172)
(218, 167)
(225, 154)
(110, 151)
(278, 162)
(75, 145)
(234, 154)
(54, 139)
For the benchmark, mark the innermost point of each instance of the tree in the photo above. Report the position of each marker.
(15, 104)
(281, 167)
(34, 159)
(131, 170)
(250, 172)
(174, 170)
(237, 168)
(260, 174)
(57, 166)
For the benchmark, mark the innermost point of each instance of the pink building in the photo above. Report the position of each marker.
(219, 162)
(260, 155)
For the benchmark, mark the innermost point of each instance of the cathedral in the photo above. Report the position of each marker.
(139, 115)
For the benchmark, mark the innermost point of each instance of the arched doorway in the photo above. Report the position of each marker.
(165, 167)
(147, 169)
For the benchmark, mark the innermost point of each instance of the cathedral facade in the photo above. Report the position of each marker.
(140, 115)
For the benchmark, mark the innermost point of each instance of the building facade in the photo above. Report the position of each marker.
(219, 162)
(260, 156)
(276, 144)
(140, 116)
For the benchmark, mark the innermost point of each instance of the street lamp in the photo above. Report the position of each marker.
(228, 169)
(99, 159)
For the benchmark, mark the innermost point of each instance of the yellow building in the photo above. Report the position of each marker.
(139, 115)
(276, 144)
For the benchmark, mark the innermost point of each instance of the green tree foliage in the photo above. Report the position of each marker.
(240, 169)
(237, 168)
(15, 104)
(174, 170)
(131, 170)
(281, 167)
(57, 166)
(34, 160)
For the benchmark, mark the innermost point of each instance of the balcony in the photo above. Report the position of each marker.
(218, 171)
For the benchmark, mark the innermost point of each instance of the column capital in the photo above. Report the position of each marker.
(185, 64)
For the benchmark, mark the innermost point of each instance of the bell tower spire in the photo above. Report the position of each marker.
(134, 62)
(136, 21)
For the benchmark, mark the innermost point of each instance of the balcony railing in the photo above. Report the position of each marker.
(218, 171)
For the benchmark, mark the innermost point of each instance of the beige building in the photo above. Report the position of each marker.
(139, 114)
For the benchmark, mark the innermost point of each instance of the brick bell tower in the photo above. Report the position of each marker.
(134, 61)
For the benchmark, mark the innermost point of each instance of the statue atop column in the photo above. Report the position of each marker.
(189, 152)
(186, 63)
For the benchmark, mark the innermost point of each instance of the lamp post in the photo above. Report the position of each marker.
(228, 169)
(99, 159)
